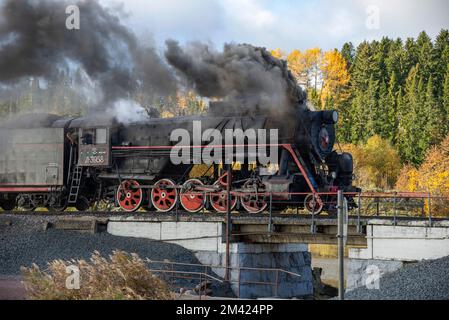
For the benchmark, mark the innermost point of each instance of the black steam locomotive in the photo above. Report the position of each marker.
(54, 162)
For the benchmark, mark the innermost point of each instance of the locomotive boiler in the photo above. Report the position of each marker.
(56, 162)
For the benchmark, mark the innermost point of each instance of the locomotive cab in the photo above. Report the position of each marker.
(94, 147)
(93, 140)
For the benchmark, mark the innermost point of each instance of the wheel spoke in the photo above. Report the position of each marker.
(130, 196)
(192, 201)
(164, 196)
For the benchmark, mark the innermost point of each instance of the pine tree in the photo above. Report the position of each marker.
(348, 52)
(391, 121)
(382, 128)
(441, 57)
(409, 130)
(426, 56)
(372, 108)
(433, 129)
(364, 67)
(445, 103)
(394, 62)
(358, 117)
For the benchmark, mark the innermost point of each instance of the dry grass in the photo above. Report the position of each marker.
(121, 277)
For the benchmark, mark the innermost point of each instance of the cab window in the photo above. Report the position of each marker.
(93, 136)
(101, 136)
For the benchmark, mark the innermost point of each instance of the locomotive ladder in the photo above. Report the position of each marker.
(75, 184)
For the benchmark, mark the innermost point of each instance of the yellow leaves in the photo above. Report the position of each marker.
(408, 179)
(278, 53)
(182, 101)
(296, 64)
(167, 114)
(325, 72)
(334, 73)
(305, 66)
(376, 164)
(432, 176)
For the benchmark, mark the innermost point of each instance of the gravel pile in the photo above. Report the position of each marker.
(23, 241)
(427, 280)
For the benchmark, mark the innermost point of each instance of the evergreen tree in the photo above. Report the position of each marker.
(409, 130)
(434, 118)
(426, 56)
(382, 127)
(372, 109)
(411, 56)
(391, 121)
(348, 53)
(441, 60)
(358, 117)
(445, 103)
(394, 62)
(364, 67)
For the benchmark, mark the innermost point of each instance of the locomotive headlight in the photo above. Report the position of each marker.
(335, 116)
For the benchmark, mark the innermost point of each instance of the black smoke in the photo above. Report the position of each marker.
(241, 73)
(34, 42)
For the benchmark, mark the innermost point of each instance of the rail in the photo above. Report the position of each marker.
(200, 277)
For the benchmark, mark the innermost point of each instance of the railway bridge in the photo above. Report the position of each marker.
(277, 241)
(281, 241)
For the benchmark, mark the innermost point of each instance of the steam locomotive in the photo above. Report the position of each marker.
(55, 162)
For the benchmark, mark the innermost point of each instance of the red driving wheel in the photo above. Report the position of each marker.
(219, 200)
(192, 201)
(253, 202)
(164, 195)
(129, 195)
(312, 205)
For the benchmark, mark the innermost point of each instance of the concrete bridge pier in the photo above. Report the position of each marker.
(391, 245)
(283, 262)
(283, 270)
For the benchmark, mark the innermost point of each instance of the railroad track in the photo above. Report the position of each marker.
(184, 215)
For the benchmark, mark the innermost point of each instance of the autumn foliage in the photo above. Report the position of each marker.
(376, 164)
(432, 176)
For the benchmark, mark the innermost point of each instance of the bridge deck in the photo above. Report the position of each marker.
(261, 228)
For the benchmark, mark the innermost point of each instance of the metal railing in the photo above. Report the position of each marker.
(196, 277)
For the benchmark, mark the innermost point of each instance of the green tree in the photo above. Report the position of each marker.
(391, 104)
(410, 133)
(348, 52)
(372, 109)
(445, 102)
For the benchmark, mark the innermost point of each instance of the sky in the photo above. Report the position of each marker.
(285, 24)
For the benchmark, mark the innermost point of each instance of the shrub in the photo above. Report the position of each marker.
(432, 176)
(122, 277)
(376, 164)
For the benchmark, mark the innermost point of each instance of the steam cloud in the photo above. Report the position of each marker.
(34, 42)
(241, 73)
